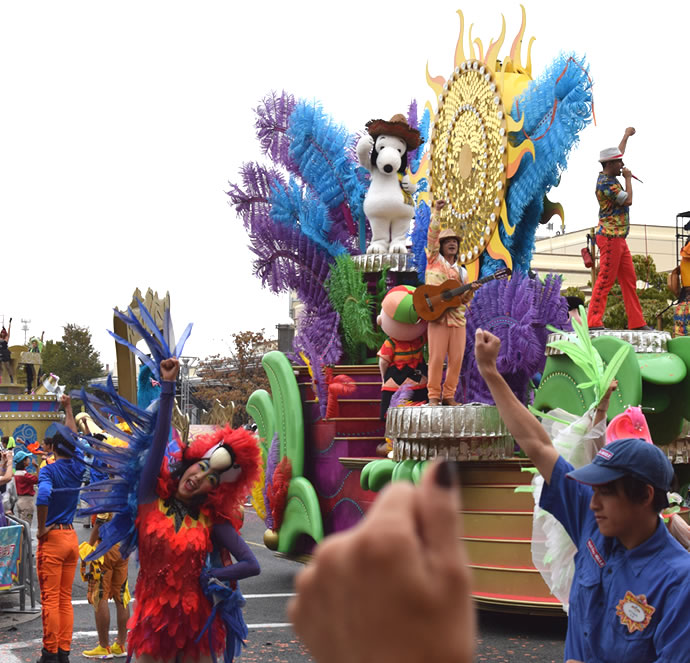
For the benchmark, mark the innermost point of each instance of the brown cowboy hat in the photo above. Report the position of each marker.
(397, 127)
(448, 233)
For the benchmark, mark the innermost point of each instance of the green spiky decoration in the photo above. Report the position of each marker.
(348, 295)
(586, 357)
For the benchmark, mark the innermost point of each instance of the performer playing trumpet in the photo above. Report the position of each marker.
(447, 334)
(614, 225)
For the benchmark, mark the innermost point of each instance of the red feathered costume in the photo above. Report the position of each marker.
(174, 540)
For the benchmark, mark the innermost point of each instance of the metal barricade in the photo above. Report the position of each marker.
(27, 577)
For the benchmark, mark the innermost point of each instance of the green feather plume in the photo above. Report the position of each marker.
(585, 355)
(348, 295)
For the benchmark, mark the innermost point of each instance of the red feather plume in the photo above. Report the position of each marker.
(277, 491)
(340, 385)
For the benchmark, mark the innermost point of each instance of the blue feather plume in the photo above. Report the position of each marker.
(556, 108)
(319, 149)
(290, 207)
(418, 235)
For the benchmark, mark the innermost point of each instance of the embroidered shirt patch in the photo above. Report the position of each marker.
(595, 554)
(605, 453)
(634, 612)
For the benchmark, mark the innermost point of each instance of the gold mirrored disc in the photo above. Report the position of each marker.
(469, 156)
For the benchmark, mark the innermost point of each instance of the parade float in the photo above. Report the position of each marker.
(492, 144)
(28, 417)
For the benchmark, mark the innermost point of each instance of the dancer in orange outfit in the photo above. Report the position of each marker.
(58, 547)
(447, 334)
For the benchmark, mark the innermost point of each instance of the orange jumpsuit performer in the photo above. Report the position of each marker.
(447, 334)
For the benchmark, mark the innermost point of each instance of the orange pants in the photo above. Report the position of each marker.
(56, 561)
(445, 341)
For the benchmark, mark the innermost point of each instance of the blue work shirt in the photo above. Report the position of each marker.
(53, 479)
(626, 606)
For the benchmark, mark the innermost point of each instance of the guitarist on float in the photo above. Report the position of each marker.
(447, 334)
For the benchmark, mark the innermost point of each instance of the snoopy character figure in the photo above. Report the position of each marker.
(388, 203)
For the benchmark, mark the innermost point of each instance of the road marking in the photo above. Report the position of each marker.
(286, 595)
(7, 657)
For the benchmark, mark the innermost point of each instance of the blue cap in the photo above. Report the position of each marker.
(632, 457)
(21, 455)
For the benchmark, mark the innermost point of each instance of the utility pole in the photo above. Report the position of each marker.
(25, 328)
(187, 363)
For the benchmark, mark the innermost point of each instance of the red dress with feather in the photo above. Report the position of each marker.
(170, 607)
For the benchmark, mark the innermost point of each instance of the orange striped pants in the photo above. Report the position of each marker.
(56, 562)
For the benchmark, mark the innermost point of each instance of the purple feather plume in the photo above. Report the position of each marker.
(318, 330)
(272, 118)
(272, 461)
(413, 122)
(517, 311)
(402, 395)
(252, 202)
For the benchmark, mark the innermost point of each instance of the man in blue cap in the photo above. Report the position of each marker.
(630, 598)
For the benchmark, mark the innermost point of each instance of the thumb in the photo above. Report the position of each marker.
(436, 509)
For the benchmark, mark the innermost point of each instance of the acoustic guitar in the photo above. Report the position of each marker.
(432, 301)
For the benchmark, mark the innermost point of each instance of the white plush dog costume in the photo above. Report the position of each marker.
(388, 203)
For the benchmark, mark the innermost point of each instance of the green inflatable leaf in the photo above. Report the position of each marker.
(302, 515)
(289, 421)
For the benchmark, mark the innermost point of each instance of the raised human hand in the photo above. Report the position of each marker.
(630, 131)
(170, 369)
(486, 348)
(612, 387)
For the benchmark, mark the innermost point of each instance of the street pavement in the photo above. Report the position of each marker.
(502, 638)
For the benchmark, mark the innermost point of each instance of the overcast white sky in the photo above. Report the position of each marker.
(122, 122)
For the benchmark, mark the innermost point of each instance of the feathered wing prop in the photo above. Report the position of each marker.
(118, 494)
(517, 311)
(556, 108)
